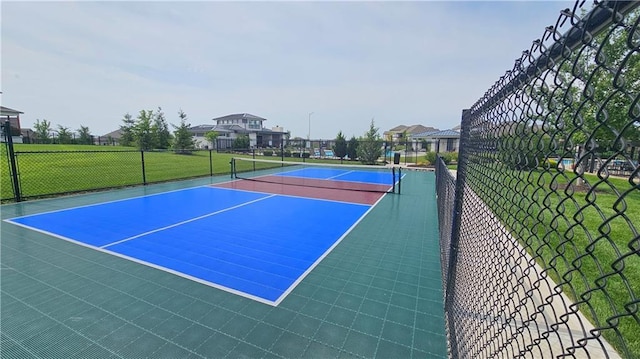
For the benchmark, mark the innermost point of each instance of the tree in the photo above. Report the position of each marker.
(371, 147)
(352, 148)
(183, 139)
(340, 146)
(64, 135)
(212, 136)
(242, 142)
(84, 136)
(42, 130)
(126, 131)
(160, 130)
(142, 133)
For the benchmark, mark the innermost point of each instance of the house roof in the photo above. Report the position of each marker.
(413, 129)
(202, 128)
(437, 134)
(239, 116)
(5, 111)
(114, 134)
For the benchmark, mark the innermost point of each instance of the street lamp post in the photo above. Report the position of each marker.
(309, 133)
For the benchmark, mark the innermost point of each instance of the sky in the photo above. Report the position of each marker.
(314, 68)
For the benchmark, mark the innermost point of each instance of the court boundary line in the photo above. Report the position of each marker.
(186, 221)
(299, 280)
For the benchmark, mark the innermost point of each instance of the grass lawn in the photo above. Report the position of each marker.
(583, 235)
(55, 169)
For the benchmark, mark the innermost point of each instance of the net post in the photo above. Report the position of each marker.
(233, 166)
(399, 178)
(393, 179)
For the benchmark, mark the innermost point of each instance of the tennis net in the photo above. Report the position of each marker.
(319, 175)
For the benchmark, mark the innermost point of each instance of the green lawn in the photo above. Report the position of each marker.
(584, 238)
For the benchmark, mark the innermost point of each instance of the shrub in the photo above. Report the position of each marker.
(267, 153)
(430, 158)
(287, 153)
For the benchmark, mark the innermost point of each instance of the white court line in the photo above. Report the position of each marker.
(187, 221)
(342, 174)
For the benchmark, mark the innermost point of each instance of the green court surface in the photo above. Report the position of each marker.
(377, 294)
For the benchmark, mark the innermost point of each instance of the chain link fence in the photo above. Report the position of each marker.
(539, 226)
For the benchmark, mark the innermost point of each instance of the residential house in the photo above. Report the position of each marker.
(438, 141)
(232, 126)
(13, 116)
(402, 133)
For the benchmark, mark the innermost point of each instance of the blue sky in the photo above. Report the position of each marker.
(89, 63)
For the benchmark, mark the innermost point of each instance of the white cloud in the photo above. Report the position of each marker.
(88, 63)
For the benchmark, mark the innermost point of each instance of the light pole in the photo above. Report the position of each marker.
(309, 133)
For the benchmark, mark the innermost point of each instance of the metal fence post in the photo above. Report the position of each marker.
(210, 163)
(455, 230)
(12, 161)
(144, 175)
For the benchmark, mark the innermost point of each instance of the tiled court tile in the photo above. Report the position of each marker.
(316, 309)
(401, 315)
(86, 318)
(256, 310)
(170, 351)
(356, 289)
(374, 308)
(294, 302)
(93, 351)
(403, 300)
(340, 316)
(103, 327)
(279, 317)
(263, 335)
(238, 327)
(218, 346)
(57, 342)
(367, 324)
(122, 337)
(379, 294)
(134, 310)
(320, 351)
(430, 307)
(216, 318)
(304, 325)
(171, 327)
(430, 342)
(394, 332)
(406, 288)
(143, 346)
(193, 336)
(246, 350)
(331, 334)
(429, 323)
(349, 301)
(177, 303)
(117, 303)
(392, 350)
(289, 345)
(153, 318)
(361, 344)
(196, 310)
(326, 295)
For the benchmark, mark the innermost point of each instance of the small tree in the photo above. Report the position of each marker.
(84, 136)
(352, 148)
(126, 130)
(371, 147)
(160, 130)
(241, 142)
(340, 147)
(42, 130)
(212, 137)
(64, 135)
(183, 139)
(142, 133)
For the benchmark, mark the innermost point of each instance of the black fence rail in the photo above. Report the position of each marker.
(539, 227)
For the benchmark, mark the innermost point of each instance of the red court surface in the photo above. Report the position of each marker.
(333, 194)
